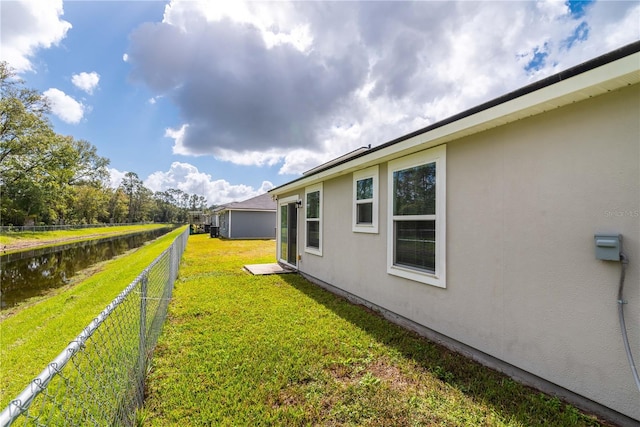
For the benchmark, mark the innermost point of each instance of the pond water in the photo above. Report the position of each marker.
(32, 273)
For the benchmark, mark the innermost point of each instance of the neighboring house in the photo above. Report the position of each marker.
(478, 231)
(254, 218)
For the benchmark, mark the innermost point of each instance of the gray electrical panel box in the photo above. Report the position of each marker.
(608, 246)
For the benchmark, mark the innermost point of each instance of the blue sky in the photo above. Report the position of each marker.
(228, 99)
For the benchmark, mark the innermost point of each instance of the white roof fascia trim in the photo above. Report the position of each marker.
(244, 210)
(252, 210)
(608, 77)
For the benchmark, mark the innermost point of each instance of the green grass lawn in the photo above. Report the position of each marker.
(45, 238)
(242, 350)
(32, 336)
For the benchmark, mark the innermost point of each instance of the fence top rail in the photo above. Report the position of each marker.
(38, 384)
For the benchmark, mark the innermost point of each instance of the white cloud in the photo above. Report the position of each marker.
(297, 83)
(266, 186)
(298, 161)
(115, 177)
(178, 137)
(276, 25)
(188, 178)
(64, 107)
(623, 31)
(552, 9)
(248, 158)
(29, 25)
(86, 81)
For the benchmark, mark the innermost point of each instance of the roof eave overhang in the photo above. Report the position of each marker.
(249, 210)
(588, 84)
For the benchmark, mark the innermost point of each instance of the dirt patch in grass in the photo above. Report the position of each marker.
(391, 374)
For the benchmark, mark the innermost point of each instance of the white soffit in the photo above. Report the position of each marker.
(606, 78)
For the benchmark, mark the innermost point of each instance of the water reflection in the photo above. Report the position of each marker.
(37, 271)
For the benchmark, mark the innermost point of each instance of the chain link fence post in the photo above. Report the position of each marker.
(142, 344)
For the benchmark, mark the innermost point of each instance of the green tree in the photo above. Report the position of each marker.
(181, 201)
(23, 121)
(117, 206)
(38, 168)
(166, 209)
(78, 166)
(146, 205)
(132, 186)
(89, 168)
(197, 202)
(140, 199)
(90, 204)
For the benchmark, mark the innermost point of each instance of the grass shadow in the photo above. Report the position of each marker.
(509, 399)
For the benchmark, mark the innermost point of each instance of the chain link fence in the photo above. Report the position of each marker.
(98, 380)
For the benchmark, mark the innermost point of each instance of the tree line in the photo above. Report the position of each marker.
(48, 179)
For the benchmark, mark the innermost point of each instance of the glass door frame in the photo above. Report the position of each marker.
(284, 204)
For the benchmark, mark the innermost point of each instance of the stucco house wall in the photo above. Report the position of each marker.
(254, 218)
(223, 221)
(253, 225)
(523, 202)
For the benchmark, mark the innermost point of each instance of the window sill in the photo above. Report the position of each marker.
(417, 276)
(371, 229)
(313, 251)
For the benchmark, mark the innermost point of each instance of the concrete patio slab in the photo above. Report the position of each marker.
(264, 269)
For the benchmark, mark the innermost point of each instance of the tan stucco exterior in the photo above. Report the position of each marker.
(523, 203)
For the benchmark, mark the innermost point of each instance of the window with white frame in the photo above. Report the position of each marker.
(416, 212)
(365, 200)
(313, 219)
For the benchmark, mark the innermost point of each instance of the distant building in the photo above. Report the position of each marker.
(254, 218)
(199, 222)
